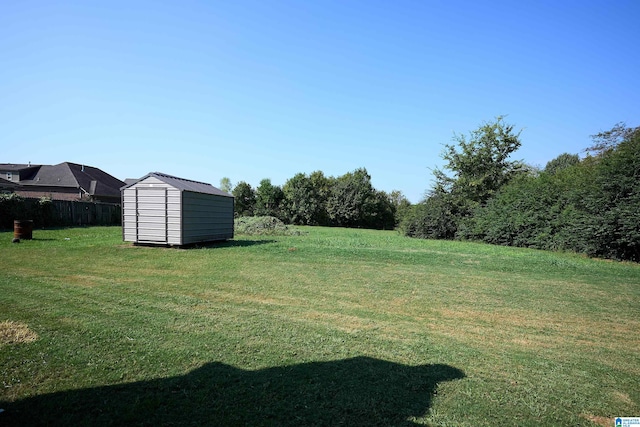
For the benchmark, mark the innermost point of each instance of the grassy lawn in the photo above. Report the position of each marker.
(334, 327)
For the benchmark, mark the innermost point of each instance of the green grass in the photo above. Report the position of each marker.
(332, 327)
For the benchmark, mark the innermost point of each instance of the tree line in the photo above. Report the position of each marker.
(588, 204)
(349, 200)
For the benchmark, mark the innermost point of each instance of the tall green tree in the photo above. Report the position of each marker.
(401, 205)
(606, 141)
(382, 215)
(322, 188)
(349, 198)
(269, 199)
(225, 185)
(561, 162)
(245, 199)
(305, 199)
(476, 167)
(480, 164)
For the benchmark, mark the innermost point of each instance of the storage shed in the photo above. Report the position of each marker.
(167, 210)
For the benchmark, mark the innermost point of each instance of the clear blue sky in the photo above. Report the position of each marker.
(266, 89)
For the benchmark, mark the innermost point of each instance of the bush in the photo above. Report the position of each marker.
(11, 207)
(263, 226)
(614, 208)
(435, 218)
(591, 207)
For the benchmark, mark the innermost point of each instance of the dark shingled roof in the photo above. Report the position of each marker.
(5, 183)
(183, 184)
(93, 181)
(16, 166)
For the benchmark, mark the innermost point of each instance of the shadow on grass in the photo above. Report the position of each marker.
(227, 244)
(35, 239)
(204, 245)
(354, 392)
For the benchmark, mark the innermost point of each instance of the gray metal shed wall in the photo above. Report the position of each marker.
(206, 217)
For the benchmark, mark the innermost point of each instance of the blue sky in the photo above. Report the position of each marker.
(255, 89)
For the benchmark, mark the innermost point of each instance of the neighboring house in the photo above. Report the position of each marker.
(7, 187)
(167, 210)
(65, 181)
(16, 173)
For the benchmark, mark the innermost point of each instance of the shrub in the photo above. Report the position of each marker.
(263, 226)
(12, 207)
(435, 218)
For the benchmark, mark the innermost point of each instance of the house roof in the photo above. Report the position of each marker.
(5, 183)
(91, 180)
(183, 184)
(16, 166)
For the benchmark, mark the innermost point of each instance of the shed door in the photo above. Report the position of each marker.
(151, 214)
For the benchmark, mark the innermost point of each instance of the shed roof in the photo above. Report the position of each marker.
(183, 184)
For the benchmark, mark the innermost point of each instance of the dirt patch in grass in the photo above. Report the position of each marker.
(15, 333)
(223, 296)
(552, 329)
(601, 421)
(84, 280)
(342, 322)
(623, 397)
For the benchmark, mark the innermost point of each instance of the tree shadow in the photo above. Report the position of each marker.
(360, 391)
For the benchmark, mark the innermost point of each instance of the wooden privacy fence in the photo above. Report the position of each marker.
(86, 213)
(52, 213)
